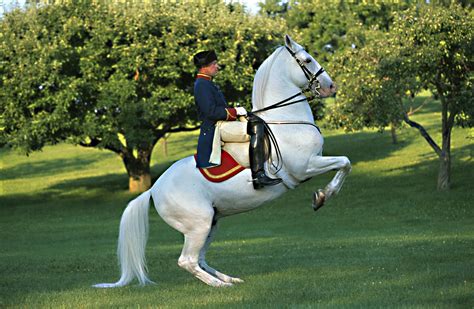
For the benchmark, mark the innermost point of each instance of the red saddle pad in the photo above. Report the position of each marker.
(228, 169)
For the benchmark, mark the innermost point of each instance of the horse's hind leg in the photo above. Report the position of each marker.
(194, 240)
(207, 268)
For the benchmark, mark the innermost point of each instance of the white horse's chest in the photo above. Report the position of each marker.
(297, 143)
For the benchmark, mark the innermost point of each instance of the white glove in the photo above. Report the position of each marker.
(241, 111)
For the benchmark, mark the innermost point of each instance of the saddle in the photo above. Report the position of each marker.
(232, 137)
(230, 151)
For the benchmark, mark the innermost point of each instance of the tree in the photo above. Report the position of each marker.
(119, 76)
(367, 97)
(273, 8)
(428, 47)
(325, 28)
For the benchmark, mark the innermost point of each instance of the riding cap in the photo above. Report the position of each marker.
(204, 58)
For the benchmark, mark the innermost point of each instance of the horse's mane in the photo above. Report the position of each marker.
(261, 78)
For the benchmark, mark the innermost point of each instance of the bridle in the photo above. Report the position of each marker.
(313, 86)
(313, 82)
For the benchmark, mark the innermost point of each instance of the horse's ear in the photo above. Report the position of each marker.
(288, 42)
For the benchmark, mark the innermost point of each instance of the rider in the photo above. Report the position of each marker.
(213, 107)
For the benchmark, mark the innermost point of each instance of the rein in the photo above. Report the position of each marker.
(294, 122)
(284, 102)
(272, 140)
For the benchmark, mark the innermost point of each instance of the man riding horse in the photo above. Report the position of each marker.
(213, 107)
(193, 205)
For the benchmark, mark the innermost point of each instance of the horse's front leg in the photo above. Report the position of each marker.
(319, 165)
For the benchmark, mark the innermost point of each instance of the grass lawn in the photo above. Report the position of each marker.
(388, 240)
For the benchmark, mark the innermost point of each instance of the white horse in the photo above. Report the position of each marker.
(192, 205)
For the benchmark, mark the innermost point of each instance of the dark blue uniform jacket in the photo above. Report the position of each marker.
(212, 107)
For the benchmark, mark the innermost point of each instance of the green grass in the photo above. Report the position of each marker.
(388, 240)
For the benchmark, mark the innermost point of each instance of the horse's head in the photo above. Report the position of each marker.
(307, 72)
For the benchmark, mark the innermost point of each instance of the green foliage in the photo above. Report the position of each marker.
(436, 45)
(328, 28)
(273, 8)
(92, 72)
(428, 47)
(384, 51)
(120, 76)
(367, 97)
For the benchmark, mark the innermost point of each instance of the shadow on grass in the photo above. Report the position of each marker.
(49, 167)
(354, 146)
(85, 188)
(431, 162)
(77, 189)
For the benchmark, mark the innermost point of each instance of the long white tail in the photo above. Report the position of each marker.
(132, 241)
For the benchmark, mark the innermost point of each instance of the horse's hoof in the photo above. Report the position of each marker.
(224, 285)
(105, 285)
(318, 199)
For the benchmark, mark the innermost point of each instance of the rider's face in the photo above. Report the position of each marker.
(212, 69)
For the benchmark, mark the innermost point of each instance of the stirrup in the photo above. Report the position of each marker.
(262, 180)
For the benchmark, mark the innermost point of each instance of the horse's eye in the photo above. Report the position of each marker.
(308, 60)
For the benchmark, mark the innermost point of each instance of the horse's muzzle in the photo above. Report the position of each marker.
(328, 92)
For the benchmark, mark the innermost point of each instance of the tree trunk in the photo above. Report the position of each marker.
(444, 174)
(393, 130)
(140, 183)
(138, 169)
(444, 153)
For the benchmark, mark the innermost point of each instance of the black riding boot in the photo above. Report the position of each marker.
(256, 130)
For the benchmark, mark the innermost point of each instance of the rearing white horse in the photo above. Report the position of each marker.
(192, 205)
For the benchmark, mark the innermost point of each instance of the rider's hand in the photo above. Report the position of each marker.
(241, 111)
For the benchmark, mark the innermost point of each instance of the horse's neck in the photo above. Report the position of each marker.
(278, 88)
